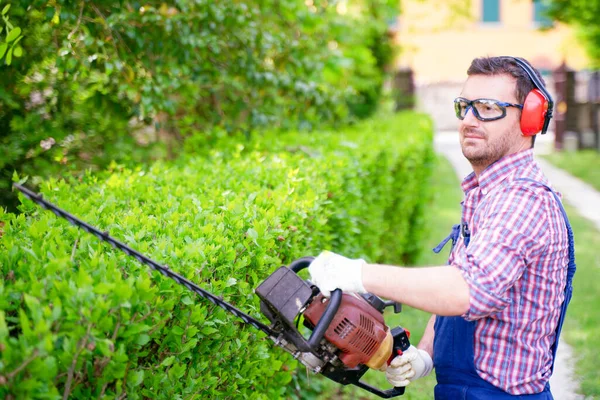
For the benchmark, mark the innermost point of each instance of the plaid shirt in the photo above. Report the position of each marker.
(515, 266)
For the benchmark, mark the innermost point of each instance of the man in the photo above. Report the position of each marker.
(498, 306)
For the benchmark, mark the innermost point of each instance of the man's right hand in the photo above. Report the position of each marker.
(330, 271)
(412, 364)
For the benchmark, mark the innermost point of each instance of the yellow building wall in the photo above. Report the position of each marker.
(438, 42)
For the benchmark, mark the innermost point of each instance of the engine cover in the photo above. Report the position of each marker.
(357, 330)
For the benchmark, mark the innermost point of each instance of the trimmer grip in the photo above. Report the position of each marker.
(401, 338)
(352, 376)
(401, 342)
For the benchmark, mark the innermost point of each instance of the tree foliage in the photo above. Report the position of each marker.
(584, 14)
(130, 80)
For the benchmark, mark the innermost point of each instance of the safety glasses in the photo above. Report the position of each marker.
(483, 109)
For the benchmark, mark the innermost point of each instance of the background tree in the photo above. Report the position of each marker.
(584, 14)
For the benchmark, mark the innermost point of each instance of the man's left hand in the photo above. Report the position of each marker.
(413, 364)
(330, 271)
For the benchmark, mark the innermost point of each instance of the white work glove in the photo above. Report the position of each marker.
(330, 271)
(412, 364)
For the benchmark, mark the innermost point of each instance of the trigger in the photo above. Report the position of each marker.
(398, 352)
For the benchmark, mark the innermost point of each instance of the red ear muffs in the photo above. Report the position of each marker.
(534, 112)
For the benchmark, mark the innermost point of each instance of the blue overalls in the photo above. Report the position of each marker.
(453, 350)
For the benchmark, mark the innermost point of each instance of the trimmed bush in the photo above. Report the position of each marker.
(80, 319)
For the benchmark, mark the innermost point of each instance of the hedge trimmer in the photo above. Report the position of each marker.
(348, 333)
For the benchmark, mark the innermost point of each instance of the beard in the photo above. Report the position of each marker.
(485, 152)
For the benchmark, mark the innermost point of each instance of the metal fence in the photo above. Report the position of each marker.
(577, 109)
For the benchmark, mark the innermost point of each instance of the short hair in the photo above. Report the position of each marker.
(506, 65)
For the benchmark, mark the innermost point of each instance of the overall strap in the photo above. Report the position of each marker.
(453, 235)
(570, 270)
(461, 230)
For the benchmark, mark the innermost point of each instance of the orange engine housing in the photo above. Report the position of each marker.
(357, 329)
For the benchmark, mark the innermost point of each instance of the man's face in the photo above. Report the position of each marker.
(484, 142)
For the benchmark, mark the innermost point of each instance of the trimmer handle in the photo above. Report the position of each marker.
(301, 263)
(332, 307)
(401, 342)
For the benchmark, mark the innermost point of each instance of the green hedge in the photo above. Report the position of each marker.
(79, 318)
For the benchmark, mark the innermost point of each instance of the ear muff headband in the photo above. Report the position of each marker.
(538, 105)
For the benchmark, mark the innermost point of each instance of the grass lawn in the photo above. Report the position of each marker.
(582, 326)
(581, 329)
(583, 164)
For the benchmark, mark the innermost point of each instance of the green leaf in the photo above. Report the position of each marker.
(104, 288)
(142, 339)
(192, 330)
(135, 378)
(18, 52)
(176, 372)
(177, 330)
(32, 303)
(187, 300)
(252, 234)
(105, 346)
(3, 327)
(168, 361)
(3, 47)
(12, 35)
(231, 281)
(9, 56)
(207, 330)
(24, 321)
(5, 9)
(49, 369)
(136, 329)
(276, 365)
(189, 345)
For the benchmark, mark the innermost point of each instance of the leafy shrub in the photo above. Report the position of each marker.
(584, 17)
(128, 80)
(79, 319)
